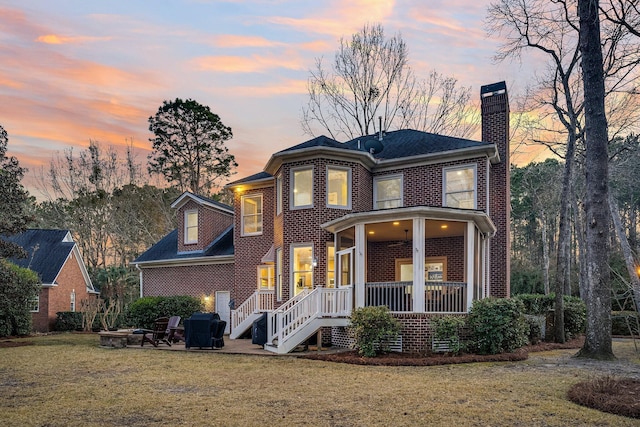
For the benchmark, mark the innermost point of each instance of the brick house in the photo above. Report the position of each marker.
(55, 257)
(415, 221)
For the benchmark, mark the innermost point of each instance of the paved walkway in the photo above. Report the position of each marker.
(237, 346)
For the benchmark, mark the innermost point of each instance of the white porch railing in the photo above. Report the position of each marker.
(283, 323)
(440, 297)
(395, 295)
(260, 301)
(445, 297)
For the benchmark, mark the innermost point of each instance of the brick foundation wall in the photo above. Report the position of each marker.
(417, 333)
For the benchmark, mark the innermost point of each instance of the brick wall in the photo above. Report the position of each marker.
(249, 250)
(423, 184)
(381, 258)
(193, 280)
(58, 298)
(495, 129)
(211, 223)
(303, 225)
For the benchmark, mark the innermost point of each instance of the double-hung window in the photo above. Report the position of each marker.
(387, 191)
(35, 304)
(191, 226)
(265, 277)
(302, 188)
(73, 301)
(252, 215)
(301, 267)
(459, 187)
(338, 187)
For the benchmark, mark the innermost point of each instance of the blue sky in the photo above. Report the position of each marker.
(75, 70)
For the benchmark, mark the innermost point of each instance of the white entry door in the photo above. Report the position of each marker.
(223, 309)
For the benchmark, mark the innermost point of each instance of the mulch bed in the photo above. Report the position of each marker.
(409, 359)
(620, 396)
(9, 343)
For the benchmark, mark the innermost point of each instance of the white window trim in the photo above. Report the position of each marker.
(349, 181)
(293, 186)
(35, 305)
(242, 215)
(384, 178)
(73, 301)
(186, 226)
(270, 277)
(279, 194)
(473, 166)
(292, 271)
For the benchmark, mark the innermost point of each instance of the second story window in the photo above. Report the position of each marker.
(191, 227)
(252, 215)
(387, 192)
(338, 187)
(302, 188)
(459, 187)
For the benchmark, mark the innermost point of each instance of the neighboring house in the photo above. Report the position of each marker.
(55, 257)
(412, 220)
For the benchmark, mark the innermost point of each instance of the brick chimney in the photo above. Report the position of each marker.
(495, 129)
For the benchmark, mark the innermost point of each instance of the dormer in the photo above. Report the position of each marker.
(200, 221)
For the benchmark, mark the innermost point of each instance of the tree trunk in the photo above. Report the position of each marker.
(564, 240)
(597, 343)
(579, 254)
(626, 251)
(545, 252)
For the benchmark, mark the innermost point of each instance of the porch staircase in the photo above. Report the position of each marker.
(295, 321)
(242, 318)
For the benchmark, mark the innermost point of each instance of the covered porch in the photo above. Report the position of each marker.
(414, 260)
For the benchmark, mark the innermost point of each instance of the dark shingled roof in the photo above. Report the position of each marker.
(167, 248)
(320, 141)
(255, 177)
(46, 252)
(407, 142)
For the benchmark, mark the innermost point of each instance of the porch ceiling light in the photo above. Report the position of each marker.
(396, 222)
(372, 232)
(444, 226)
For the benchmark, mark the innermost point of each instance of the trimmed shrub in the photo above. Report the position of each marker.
(142, 312)
(18, 289)
(497, 325)
(68, 321)
(625, 323)
(447, 328)
(575, 316)
(373, 328)
(535, 329)
(575, 312)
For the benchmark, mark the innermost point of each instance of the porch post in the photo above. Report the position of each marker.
(418, 265)
(469, 276)
(359, 264)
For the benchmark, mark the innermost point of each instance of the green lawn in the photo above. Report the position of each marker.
(69, 380)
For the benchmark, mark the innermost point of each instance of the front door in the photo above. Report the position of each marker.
(223, 309)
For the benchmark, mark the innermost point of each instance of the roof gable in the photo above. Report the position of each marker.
(47, 251)
(201, 200)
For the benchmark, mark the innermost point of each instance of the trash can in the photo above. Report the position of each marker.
(259, 330)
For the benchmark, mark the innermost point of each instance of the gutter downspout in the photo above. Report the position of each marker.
(140, 277)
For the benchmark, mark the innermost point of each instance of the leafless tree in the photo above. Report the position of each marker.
(371, 78)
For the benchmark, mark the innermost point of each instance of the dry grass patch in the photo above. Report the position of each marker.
(68, 380)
